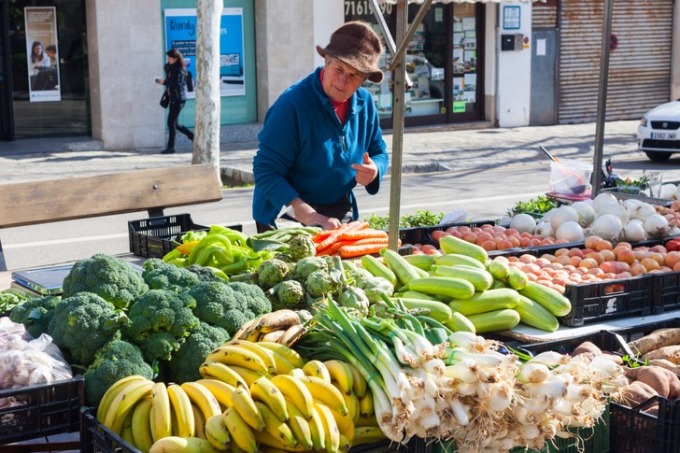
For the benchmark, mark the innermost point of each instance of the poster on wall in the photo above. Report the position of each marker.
(180, 33)
(41, 52)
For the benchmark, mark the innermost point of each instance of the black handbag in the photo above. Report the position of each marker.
(165, 100)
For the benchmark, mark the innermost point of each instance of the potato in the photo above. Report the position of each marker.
(655, 340)
(586, 347)
(655, 378)
(663, 363)
(673, 382)
(631, 373)
(670, 353)
(634, 394)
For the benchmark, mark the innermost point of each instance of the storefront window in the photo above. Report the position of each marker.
(465, 48)
(47, 42)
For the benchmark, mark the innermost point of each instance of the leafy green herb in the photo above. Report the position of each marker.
(538, 205)
(422, 217)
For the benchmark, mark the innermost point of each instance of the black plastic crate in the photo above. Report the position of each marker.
(423, 235)
(602, 339)
(665, 292)
(634, 431)
(154, 237)
(97, 438)
(42, 410)
(415, 445)
(593, 302)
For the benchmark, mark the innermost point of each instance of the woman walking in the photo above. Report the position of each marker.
(175, 83)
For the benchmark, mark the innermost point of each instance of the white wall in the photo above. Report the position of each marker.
(513, 91)
(328, 16)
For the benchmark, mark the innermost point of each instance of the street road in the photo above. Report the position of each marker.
(484, 193)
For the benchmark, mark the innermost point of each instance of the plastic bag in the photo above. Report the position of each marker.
(454, 216)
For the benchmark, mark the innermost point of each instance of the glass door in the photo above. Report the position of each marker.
(468, 73)
(6, 116)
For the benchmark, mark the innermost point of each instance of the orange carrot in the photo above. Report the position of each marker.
(333, 237)
(353, 251)
(365, 241)
(321, 235)
(333, 248)
(363, 234)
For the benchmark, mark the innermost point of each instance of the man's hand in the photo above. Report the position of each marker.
(306, 215)
(366, 171)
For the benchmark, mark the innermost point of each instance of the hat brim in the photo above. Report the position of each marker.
(373, 74)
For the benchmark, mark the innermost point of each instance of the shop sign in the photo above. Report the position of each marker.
(42, 54)
(180, 32)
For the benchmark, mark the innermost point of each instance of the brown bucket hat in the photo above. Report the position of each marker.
(356, 44)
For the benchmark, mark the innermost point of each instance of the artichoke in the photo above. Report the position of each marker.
(320, 283)
(271, 272)
(307, 265)
(354, 299)
(290, 293)
(301, 246)
(375, 286)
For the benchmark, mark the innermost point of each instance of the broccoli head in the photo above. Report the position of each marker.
(82, 324)
(301, 246)
(183, 367)
(258, 303)
(111, 278)
(113, 361)
(160, 320)
(204, 273)
(219, 305)
(167, 276)
(271, 272)
(35, 314)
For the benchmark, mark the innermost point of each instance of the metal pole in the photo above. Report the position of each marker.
(387, 34)
(602, 96)
(398, 94)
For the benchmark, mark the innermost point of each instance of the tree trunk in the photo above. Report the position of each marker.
(207, 134)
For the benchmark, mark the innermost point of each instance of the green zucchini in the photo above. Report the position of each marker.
(421, 260)
(432, 308)
(480, 279)
(490, 300)
(455, 288)
(416, 295)
(498, 268)
(452, 244)
(493, 321)
(536, 315)
(378, 269)
(402, 269)
(460, 323)
(517, 278)
(555, 302)
(453, 259)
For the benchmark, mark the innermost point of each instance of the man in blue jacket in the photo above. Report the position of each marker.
(322, 137)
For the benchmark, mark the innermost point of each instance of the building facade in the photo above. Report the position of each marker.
(87, 67)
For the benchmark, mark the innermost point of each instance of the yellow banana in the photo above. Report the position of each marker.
(317, 368)
(141, 425)
(300, 426)
(298, 373)
(294, 390)
(278, 320)
(126, 434)
(248, 375)
(367, 421)
(274, 336)
(220, 390)
(199, 422)
(276, 427)
(345, 425)
(267, 355)
(266, 439)
(326, 393)
(367, 435)
(283, 365)
(352, 404)
(111, 393)
(345, 444)
(330, 427)
(221, 372)
(293, 356)
(265, 391)
(231, 354)
(317, 429)
(359, 384)
(123, 403)
(161, 418)
(216, 432)
(181, 406)
(203, 398)
(366, 408)
(341, 373)
(176, 444)
(292, 334)
(240, 432)
(243, 403)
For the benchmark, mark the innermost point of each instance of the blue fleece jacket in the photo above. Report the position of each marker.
(304, 151)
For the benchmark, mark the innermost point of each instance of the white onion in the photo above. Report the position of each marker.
(656, 225)
(523, 223)
(544, 230)
(607, 226)
(570, 231)
(642, 211)
(561, 215)
(586, 213)
(616, 209)
(634, 231)
(602, 199)
(667, 191)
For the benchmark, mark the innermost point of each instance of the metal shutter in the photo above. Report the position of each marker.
(639, 69)
(544, 15)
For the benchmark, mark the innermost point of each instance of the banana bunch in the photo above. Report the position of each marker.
(252, 397)
(281, 326)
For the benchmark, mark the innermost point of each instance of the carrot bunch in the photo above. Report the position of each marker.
(350, 240)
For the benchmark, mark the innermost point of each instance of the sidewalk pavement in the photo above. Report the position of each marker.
(443, 148)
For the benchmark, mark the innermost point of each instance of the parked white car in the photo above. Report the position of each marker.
(658, 133)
